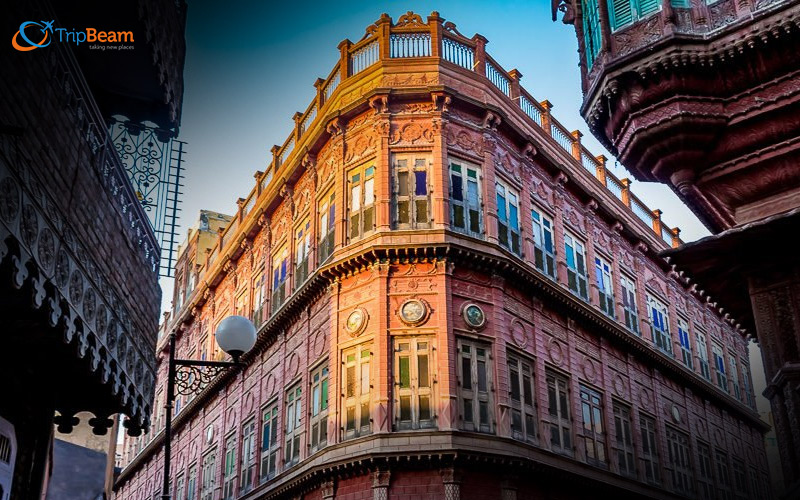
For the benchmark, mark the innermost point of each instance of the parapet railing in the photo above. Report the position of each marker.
(411, 37)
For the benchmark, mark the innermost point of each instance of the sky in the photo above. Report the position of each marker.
(250, 65)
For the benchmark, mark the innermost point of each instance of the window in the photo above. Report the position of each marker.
(591, 31)
(302, 243)
(628, 288)
(209, 464)
(594, 436)
(361, 216)
(719, 366)
(280, 274)
(625, 12)
(240, 306)
(229, 472)
(706, 478)
(413, 383)
(739, 478)
(248, 455)
(269, 443)
(576, 266)
(659, 324)
(523, 403)
(319, 407)
(678, 447)
(411, 192)
(327, 223)
(294, 425)
(465, 199)
(507, 218)
(723, 478)
(649, 449)
(357, 391)
(747, 387)
(558, 412)
(734, 376)
(624, 440)
(754, 484)
(180, 488)
(686, 343)
(702, 353)
(259, 294)
(543, 243)
(473, 377)
(605, 285)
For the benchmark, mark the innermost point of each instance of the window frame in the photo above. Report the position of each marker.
(701, 341)
(575, 252)
(624, 446)
(293, 425)
(658, 312)
(679, 455)
(229, 473)
(249, 457)
(280, 277)
(357, 212)
(685, 340)
(360, 396)
(542, 228)
(705, 468)
(650, 459)
(718, 354)
(208, 474)
(526, 406)
(319, 409)
(269, 455)
(411, 197)
(466, 203)
(734, 376)
(414, 391)
(604, 276)
(327, 227)
(591, 401)
(629, 304)
(507, 236)
(302, 257)
(559, 419)
(474, 401)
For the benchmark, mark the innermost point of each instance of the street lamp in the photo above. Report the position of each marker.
(235, 335)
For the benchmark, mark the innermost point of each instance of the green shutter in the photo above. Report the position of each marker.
(683, 4)
(591, 31)
(648, 7)
(621, 13)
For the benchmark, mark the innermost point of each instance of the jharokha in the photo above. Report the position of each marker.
(454, 299)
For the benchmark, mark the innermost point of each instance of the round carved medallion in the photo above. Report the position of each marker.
(209, 434)
(676, 414)
(413, 311)
(356, 321)
(47, 249)
(473, 315)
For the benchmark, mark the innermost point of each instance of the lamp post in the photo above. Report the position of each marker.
(235, 335)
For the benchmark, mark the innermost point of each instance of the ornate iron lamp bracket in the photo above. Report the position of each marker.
(190, 379)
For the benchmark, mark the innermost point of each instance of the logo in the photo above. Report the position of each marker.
(46, 28)
(27, 38)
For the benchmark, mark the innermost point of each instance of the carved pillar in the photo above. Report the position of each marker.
(590, 223)
(328, 489)
(439, 174)
(383, 183)
(452, 483)
(508, 488)
(641, 294)
(380, 485)
(382, 361)
(558, 229)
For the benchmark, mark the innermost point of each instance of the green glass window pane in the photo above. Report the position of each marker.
(405, 374)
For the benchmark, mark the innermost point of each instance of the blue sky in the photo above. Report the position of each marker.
(251, 65)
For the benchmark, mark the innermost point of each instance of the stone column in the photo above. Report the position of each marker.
(328, 489)
(380, 485)
(452, 483)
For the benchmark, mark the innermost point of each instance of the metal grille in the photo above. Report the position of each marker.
(153, 161)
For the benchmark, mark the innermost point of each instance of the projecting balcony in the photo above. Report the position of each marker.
(79, 259)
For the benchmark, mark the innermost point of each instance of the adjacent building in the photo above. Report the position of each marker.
(78, 259)
(703, 96)
(454, 299)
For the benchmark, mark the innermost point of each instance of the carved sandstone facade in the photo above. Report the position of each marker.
(703, 96)
(450, 305)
